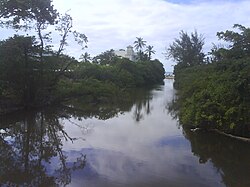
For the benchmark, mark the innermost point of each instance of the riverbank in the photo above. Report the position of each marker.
(80, 140)
(90, 93)
(239, 138)
(212, 97)
(95, 82)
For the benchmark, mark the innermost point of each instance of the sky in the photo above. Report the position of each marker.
(115, 24)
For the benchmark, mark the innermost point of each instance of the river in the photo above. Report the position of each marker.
(135, 143)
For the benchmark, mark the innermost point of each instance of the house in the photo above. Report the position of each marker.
(129, 53)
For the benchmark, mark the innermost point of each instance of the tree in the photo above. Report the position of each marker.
(107, 57)
(27, 14)
(216, 95)
(187, 50)
(38, 15)
(240, 41)
(217, 54)
(85, 57)
(149, 51)
(64, 27)
(18, 63)
(20, 13)
(139, 45)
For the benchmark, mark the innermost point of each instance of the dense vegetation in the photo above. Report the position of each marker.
(34, 73)
(101, 82)
(214, 93)
(27, 82)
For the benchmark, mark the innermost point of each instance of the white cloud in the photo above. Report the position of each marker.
(115, 23)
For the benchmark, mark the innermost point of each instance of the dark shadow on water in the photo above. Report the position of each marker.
(230, 157)
(31, 142)
(136, 99)
(28, 142)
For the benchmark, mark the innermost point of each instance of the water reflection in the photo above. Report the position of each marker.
(151, 151)
(31, 143)
(131, 142)
(138, 98)
(141, 104)
(28, 142)
(230, 157)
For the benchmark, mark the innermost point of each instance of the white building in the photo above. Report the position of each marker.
(129, 53)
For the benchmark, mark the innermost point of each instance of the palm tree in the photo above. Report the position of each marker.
(85, 57)
(149, 51)
(139, 45)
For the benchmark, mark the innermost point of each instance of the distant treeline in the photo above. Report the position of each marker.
(102, 82)
(213, 92)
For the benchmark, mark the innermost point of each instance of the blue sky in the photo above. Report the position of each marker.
(115, 24)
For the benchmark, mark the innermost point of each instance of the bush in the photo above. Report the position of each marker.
(214, 97)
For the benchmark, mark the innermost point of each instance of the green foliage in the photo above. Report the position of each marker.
(239, 42)
(23, 77)
(107, 57)
(187, 50)
(139, 45)
(99, 83)
(34, 75)
(17, 62)
(124, 73)
(215, 98)
(16, 12)
(30, 69)
(94, 90)
(85, 57)
(216, 95)
(149, 51)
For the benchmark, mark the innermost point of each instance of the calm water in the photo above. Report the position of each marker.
(134, 143)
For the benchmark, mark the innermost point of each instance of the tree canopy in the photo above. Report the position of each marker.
(216, 95)
(149, 51)
(16, 12)
(239, 42)
(187, 50)
(139, 45)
